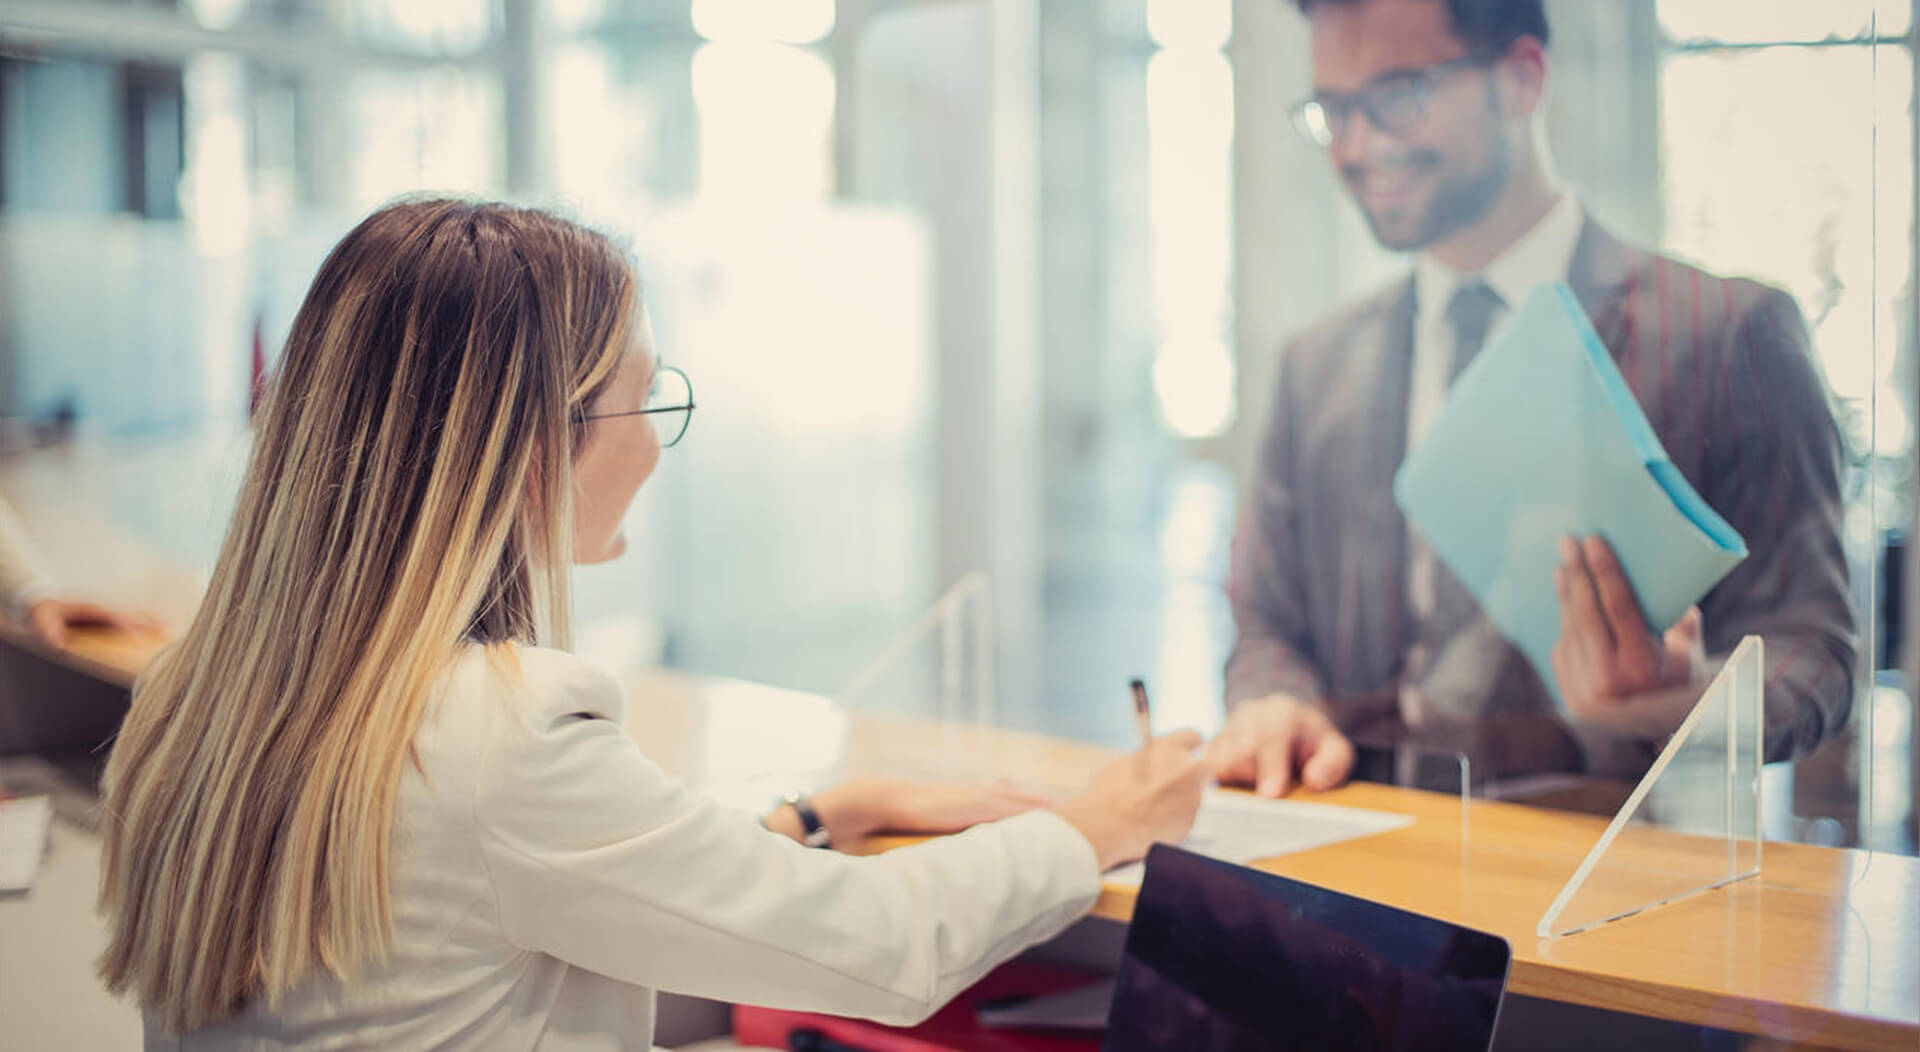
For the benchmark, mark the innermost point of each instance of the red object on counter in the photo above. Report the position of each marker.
(952, 1029)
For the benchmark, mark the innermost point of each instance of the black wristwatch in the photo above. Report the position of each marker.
(816, 830)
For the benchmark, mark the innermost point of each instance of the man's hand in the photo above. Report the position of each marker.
(1612, 669)
(53, 618)
(1274, 742)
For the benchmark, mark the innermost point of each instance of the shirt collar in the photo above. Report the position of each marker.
(1544, 253)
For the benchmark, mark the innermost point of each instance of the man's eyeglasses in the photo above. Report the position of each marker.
(671, 397)
(1393, 102)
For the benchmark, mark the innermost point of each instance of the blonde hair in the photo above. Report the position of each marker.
(409, 492)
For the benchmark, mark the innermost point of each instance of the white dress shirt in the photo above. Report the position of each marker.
(22, 581)
(1542, 254)
(547, 877)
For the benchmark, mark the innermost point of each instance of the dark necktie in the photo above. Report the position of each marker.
(1470, 316)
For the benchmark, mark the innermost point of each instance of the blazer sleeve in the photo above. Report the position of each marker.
(1272, 649)
(1775, 475)
(600, 859)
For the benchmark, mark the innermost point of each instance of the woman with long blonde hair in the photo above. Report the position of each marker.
(364, 802)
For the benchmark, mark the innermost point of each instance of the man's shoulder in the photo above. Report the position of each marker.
(1681, 291)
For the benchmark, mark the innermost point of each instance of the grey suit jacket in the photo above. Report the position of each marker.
(1723, 370)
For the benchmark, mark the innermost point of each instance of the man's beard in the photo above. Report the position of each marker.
(1457, 204)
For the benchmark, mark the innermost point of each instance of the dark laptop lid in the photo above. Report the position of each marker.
(1222, 957)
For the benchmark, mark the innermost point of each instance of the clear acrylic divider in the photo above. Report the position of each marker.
(1693, 823)
(1409, 766)
(925, 705)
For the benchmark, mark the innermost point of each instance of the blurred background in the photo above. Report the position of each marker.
(961, 285)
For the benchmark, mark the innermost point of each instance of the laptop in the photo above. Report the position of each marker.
(1226, 958)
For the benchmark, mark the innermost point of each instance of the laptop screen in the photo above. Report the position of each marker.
(1227, 958)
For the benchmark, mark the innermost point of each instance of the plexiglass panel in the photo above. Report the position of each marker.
(936, 677)
(1693, 823)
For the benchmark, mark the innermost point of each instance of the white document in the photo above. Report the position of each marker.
(1239, 828)
(24, 825)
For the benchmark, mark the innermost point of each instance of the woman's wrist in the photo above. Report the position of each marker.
(784, 820)
(1102, 829)
(848, 812)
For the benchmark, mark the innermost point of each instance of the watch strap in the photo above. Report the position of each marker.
(816, 834)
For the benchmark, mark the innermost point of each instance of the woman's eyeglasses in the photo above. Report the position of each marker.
(671, 399)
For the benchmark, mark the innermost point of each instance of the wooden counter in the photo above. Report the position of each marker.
(1823, 948)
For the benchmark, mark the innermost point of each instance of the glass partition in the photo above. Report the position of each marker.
(976, 286)
(1756, 163)
(1692, 825)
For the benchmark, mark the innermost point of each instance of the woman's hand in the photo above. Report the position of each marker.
(1147, 798)
(865, 806)
(52, 619)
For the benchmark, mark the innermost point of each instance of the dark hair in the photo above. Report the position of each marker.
(1487, 27)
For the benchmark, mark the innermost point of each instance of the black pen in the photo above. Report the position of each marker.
(1142, 713)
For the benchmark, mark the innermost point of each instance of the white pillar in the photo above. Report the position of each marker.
(1288, 238)
(1603, 112)
(526, 43)
(1014, 462)
(947, 125)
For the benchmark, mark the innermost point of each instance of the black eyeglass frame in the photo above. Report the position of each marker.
(1423, 81)
(685, 421)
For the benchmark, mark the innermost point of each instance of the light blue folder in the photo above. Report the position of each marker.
(1540, 438)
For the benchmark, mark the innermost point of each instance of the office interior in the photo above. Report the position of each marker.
(968, 290)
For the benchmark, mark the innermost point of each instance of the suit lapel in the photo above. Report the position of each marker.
(1381, 628)
(1603, 272)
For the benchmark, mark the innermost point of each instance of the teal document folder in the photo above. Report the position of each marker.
(1540, 438)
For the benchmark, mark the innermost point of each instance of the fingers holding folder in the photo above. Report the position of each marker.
(1612, 669)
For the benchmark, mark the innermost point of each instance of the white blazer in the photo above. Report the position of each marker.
(547, 877)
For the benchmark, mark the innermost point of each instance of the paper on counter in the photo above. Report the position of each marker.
(24, 825)
(1239, 828)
